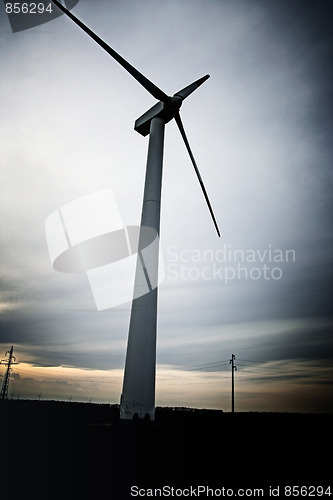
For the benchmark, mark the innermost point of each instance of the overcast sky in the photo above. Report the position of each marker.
(260, 130)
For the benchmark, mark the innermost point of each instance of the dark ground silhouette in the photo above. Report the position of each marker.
(61, 450)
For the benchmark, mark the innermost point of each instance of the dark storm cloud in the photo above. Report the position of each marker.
(83, 339)
(310, 341)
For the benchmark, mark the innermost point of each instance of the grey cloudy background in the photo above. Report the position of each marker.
(260, 129)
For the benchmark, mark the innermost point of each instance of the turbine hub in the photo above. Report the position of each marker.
(176, 101)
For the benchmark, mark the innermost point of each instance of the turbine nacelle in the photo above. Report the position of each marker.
(165, 110)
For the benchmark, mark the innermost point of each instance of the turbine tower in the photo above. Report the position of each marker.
(138, 394)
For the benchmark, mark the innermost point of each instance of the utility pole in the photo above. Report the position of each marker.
(233, 368)
(10, 361)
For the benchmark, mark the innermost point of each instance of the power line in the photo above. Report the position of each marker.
(252, 361)
(202, 366)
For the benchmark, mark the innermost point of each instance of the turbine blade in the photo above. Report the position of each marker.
(147, 84)
(185, 92)
(182, 131)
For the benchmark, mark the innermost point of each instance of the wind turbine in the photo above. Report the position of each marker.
(138, 395)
